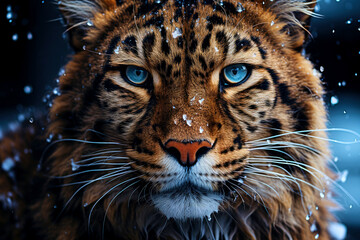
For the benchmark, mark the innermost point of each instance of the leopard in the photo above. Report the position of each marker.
(176, 119)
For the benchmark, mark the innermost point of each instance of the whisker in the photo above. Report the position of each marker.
(107, 209)
(117, 185)
(303, 133)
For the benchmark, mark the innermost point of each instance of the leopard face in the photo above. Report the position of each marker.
(200, 98)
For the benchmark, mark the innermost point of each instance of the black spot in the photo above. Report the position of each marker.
(211, 65)
(157, 21)
(114, 41)
(273, 75)
(188, 61)
(209, 27)
(262, 114)
(177, 59)
(264, 85)
(267, 103)
(224, 151)
(253, 106)
(110, 86)
(163, 65)
(178, 14)
(148, 44)
(252, 128)
(285, 94)
(206, 42)
(203, 62)
(243, 44)
(176, 74)
(215, 20)
(165, 47)
(262, 53)
(238, 141)
(256, 40)
(180, 42)
(169, 70)
(222, 40)
(130, 44)
(302, 119)
(274, 125)
(193, 45)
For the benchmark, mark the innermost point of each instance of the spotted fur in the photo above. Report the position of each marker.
(108, 174)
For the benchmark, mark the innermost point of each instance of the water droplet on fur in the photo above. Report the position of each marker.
(176, 33)
(74, 166)
(343, 176)
(86, 204)
(89, 23)
(201, 100)
(350, 206)
(239, 7)
(313, 227)
(209, 218)
(316, 236)
(188, 122)
(50, 137)
(272, 23)
(322, 195)
(201, 130)
(307, 217)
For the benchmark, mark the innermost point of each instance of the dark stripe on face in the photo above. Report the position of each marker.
(206, 42)
(274, 125)
(243, 44)
(193, 45)
(203, 62)
(130, 44)
(148, 44)
(222, 40)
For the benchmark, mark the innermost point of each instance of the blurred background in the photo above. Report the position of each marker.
(35, 49)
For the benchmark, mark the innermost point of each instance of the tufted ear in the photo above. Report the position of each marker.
(296, 16)
(78, 16)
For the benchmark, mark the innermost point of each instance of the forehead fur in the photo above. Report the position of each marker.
(90, 17)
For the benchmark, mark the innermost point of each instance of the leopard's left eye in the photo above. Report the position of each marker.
(136, 75)
(235, 74)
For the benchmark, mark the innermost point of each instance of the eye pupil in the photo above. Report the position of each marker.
(235, 71)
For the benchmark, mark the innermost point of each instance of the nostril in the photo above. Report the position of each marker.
(173, 152)
(202, 151)
(187, 153)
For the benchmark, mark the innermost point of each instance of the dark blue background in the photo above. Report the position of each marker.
(36, 49)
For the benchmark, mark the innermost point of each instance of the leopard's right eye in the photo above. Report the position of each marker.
(136, 75)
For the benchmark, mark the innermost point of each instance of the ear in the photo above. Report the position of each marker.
(79, 15)
(295, 16)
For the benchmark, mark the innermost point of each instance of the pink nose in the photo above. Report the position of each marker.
(187, 153)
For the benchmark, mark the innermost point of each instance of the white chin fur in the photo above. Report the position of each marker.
(184, 206)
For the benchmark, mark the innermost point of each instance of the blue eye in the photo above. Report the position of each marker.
(136, 75)
(235, 74)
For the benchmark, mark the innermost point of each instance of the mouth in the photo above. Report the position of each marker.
(187, 201)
